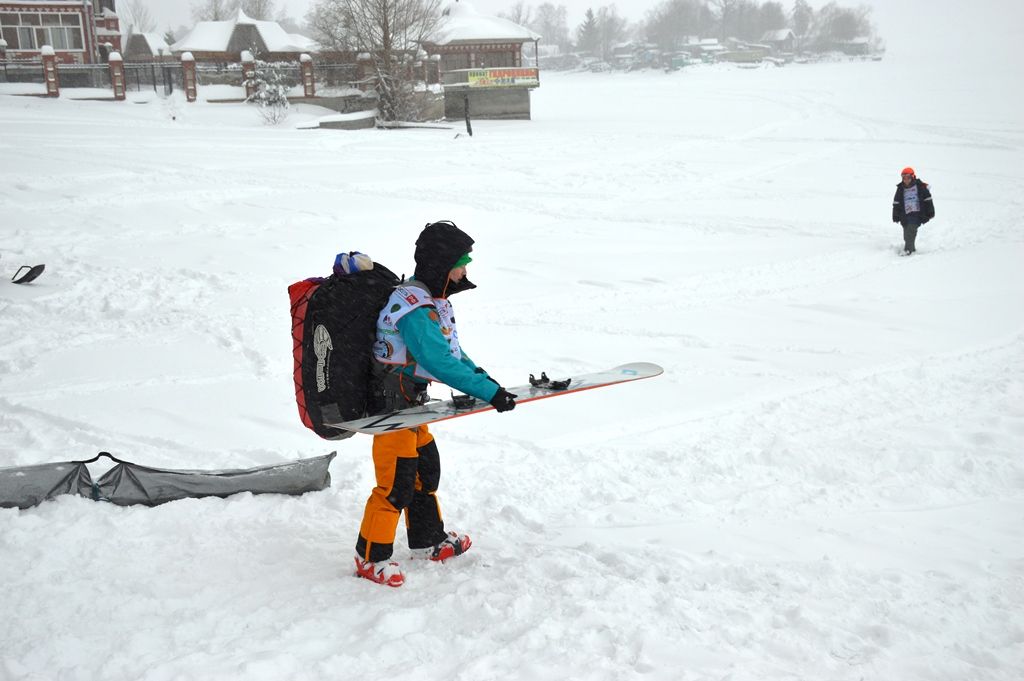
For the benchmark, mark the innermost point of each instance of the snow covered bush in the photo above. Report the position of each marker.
(269, 92)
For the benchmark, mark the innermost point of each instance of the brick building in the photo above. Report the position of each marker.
(79, 31)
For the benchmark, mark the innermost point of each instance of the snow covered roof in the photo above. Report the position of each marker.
(777, 36)
(215, 36)
(153, 43)
(463, 23)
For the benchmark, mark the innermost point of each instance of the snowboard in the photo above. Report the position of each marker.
(464, 405)
(27, 274)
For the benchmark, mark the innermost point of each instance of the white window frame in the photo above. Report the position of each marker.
(64, 30)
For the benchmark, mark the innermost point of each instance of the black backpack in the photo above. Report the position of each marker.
(334, 325)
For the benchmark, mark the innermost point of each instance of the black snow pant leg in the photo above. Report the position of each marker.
(910, 235)
(424, 524)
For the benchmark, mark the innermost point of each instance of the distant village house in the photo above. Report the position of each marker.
(783, 40)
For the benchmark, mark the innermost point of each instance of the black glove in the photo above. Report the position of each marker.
(503, 400)
(480, 370)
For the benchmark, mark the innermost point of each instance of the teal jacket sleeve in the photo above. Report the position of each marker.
(423, 337)
(468, 362)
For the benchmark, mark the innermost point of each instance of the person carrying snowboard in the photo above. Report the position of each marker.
(911, 207)
(417, 343)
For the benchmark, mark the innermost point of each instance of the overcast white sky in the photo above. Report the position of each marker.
(173, 13)
(940, 33)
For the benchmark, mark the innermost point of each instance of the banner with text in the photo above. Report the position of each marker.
(522, 77)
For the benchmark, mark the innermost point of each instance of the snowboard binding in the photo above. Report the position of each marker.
(547, 384)
(463, 401)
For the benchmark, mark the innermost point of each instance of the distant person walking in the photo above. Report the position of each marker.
(911, 207)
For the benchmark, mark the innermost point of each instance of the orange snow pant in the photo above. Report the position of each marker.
(408, 470)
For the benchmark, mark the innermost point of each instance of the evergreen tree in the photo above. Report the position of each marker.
(588, 35)
(270, 93)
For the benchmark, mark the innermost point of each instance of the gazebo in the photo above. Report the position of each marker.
(224, 41)
(481, 62)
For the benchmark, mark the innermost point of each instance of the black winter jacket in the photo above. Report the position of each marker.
(924, 197)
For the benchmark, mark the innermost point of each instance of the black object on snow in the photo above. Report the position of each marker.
(31, 273)
(127, 483)
(26, 486)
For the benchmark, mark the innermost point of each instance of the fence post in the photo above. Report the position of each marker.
(116, 75)
(364, 67)
(308, 82)
(248, 73)
(50, 72)
(188, 75)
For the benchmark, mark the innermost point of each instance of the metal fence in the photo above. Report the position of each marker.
(160, 76)
(335, 75)
(22, 72)
(165, 77)
(218, 74)
(84, 75)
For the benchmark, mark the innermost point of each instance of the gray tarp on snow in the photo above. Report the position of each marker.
(128, 483)
(26, 486)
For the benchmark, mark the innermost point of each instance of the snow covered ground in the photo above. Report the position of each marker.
(827, 483)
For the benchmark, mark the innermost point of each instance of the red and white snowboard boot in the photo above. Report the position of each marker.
(454, 544)
(386, 572)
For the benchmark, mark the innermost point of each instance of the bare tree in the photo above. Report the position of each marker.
(612, 29)
(802, 18)
(520, 13)
(772, 17)
(551, 23)
(136, 17)
(259, 9)
(834, 24)
(214, 10)
(288, 23)
(671, 22)
(389, 31)
(738, 18)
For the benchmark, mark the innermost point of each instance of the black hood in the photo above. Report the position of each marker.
(438, 248)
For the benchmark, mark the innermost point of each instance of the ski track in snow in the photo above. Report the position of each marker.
(826, 483)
